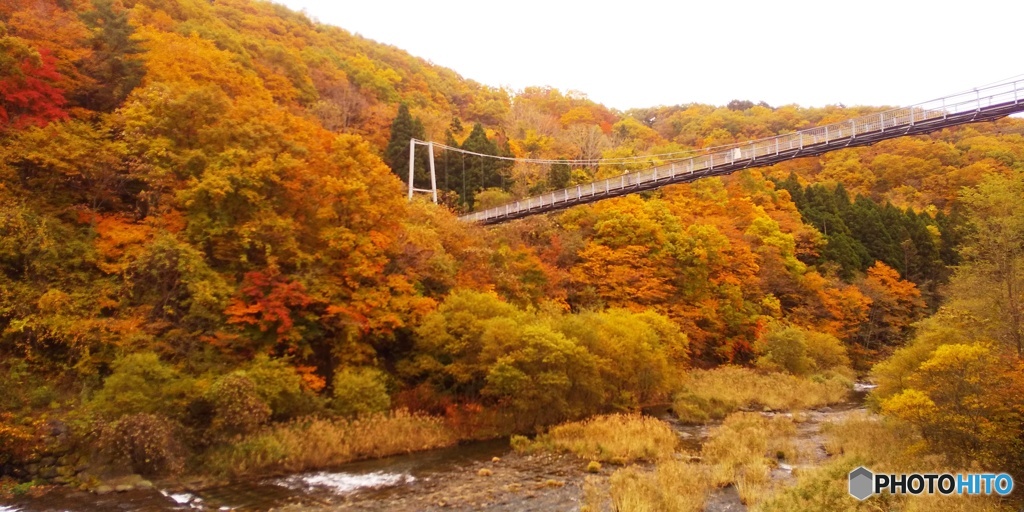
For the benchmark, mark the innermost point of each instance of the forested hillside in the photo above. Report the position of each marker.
(204, 236)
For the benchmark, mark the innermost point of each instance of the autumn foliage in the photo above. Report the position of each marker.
(204, 234)
(28, 96)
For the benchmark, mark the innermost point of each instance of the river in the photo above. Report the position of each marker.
(481, 475)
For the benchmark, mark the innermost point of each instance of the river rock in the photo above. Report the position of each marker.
(124, 488)
(58, 428)
(144, 484)
(48, 472)
(129, 480)
(103, 489)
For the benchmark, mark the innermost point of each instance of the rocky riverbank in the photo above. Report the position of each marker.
(487, 476)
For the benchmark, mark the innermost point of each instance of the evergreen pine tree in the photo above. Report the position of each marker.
(448, 164)
(952, 228)
(559, 176)
(114, 63)
(396, 155)
(850, 254)
(792, 185)
(481, 172)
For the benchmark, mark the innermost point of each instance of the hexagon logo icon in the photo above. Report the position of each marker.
(862, 482)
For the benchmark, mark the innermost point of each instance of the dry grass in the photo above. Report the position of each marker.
(745, 448)
(673, 485)
(741, 452)
(615, 438)
(867, 440)
(313, 443)
(713, 394)
(867, 436)
(594, 494)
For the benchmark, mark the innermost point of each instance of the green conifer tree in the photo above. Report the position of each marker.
(559, 176)
(481, 172)
(396, 155)
(114, 64)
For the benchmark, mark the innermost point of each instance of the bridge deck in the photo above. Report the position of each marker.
(979, 105)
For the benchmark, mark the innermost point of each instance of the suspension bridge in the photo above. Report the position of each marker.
(981, 104)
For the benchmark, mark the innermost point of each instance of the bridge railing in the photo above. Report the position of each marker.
(941, 108)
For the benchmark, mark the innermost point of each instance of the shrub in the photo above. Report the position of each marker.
(42, 396)
(548, 367)
(360, 391)
(16, 377)
(825, 351)
(491, 197)
(282, 388)
(146, 442)
(520, 443)
(799, 351)
(238, 408)
(893, 374)
(546, 379)
(966, 400)
(637, 354)
(142, 383)
(784, 349)
(17, 442)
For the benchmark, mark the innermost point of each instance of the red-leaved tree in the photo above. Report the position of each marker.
(28, 96)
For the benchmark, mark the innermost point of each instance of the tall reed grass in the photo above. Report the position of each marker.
(315, 443)
(672, 485)
(713, 394)
(741, 452)
(615, 438)
(745, 448)
(881, 445)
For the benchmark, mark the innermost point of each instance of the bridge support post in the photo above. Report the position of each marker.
(412, 164)
(433, 173)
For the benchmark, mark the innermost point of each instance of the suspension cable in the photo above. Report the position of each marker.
(675, 156)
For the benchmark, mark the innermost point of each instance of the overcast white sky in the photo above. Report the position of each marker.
(639, 53)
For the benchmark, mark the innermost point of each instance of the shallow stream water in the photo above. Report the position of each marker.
(449, 478)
